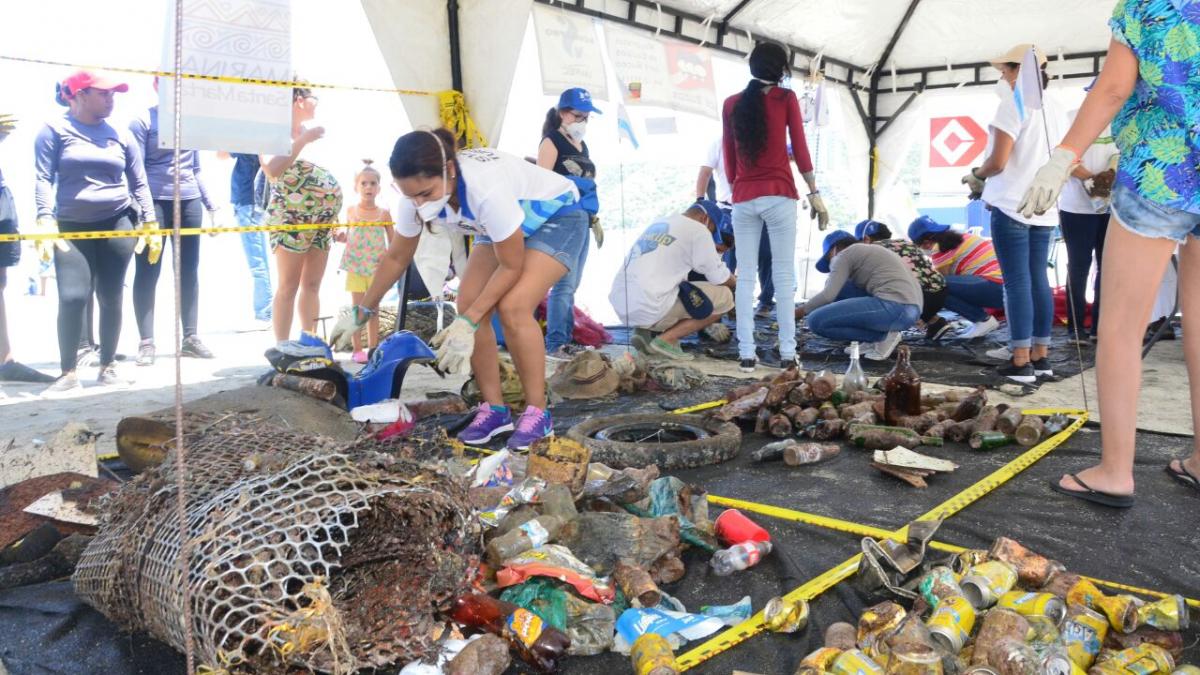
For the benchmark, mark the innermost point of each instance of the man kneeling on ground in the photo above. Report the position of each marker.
(652, 293)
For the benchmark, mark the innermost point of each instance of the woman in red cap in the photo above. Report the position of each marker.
(89, 177)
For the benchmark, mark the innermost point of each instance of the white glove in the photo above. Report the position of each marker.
(153, 241)
(352, 321)
(454, 345)
(817, 210)
(212, 221)
(974, 183)
(718, 332)
(1042, 193)
(597, 232)
(45, 247)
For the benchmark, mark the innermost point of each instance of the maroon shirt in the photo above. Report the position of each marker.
(770, 175)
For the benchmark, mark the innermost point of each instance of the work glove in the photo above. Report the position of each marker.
(45, 247)
(351, 322)
(213, 222)
(153, 241)
(974, 183)
(1042, 194)
(816, 209)
(597, 232)
(453, 346)
(718, 332)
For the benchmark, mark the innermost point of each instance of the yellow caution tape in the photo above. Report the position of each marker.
(699, 407)
(188, 232)
(458, 120)
(223, 79)
(829, 579)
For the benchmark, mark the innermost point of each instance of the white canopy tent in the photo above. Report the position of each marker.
(884, 53)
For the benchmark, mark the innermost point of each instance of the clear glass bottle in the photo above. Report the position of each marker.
(855, 379)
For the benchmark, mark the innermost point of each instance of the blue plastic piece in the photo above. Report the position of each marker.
(308, 339)
(381, 378)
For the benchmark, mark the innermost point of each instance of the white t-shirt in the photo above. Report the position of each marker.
(648, 284)
(1006, 189)
(504, 193)
(716, 162)
(1097, 158)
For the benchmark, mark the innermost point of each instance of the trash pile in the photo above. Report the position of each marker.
(891, 419)
(298, 552)
(1003, 611)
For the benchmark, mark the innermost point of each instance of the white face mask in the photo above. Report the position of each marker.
(576, 130)
(431, 209)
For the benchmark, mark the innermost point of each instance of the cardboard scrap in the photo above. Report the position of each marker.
(907, 459)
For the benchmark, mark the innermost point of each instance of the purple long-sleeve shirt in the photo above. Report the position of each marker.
(160, 163)
(87, 173)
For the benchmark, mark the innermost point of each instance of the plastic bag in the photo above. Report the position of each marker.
(559, 563)
(493, 471)
(541, 596)
(676, 627)
(733, 614)
(525, 492)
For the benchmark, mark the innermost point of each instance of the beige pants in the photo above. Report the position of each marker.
(722, 300)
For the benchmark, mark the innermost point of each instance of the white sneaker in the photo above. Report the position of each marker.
(1000, 353)
(880, 351)
(980, 328)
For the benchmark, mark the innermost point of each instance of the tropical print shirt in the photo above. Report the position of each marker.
(917, 262)
(1158, 129)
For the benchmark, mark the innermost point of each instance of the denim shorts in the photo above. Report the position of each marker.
(561, 237)
(1145, 218)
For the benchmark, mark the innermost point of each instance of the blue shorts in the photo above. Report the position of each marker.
(1145, 218)
(561, 237)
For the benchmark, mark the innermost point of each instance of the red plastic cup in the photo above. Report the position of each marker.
(733, 527)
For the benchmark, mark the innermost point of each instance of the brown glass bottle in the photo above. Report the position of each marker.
(540, 646)
(901, 389)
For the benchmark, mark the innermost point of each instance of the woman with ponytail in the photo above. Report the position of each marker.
(528, 224)
(758, 123)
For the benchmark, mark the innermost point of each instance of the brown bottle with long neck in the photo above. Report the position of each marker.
(901, 389)
(539, 645)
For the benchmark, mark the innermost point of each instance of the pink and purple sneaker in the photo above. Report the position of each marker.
(490, 421)
(533, 425)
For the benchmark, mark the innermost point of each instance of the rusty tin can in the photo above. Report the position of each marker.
(652, 655)
(1169, 613)
(983, 584)
(1035, 604)
(785, 616)
(1083, 633)
(1014, 657)
(952, 622)
(998, 625)
(1032, 569)
(939, 583)
(854, 662)
(820, 661)
(877, 621)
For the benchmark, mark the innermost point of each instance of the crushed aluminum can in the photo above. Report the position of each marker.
(1035, 604)
(983, 584)
(877, 622)
(819, 661)
(785, 616)
(910, 650)
(1083, 633)
(967, 559)
(1170, 613)
(1032, 569)
(1121, 610)
(1145, 659)
(941, 582)
(854, 662)
(952, 622)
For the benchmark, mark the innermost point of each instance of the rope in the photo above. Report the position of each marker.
(185, 547)
(224, 79)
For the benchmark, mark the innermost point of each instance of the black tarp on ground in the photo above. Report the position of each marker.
(1153, 545)
(950, 361)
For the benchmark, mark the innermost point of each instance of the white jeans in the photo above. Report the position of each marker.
(779, 215)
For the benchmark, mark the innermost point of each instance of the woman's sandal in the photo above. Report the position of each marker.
(1095, 496)
(1183, 475)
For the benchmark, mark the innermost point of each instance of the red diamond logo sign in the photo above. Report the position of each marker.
(954, 141)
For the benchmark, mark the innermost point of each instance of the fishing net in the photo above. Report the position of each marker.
(299, 552)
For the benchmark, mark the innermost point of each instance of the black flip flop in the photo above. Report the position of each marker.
(1184, 476)
(1094, 496)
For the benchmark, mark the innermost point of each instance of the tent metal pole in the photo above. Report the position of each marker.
(873, 103)
(899, 111)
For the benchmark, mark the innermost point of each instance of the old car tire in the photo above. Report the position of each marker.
(713, 441)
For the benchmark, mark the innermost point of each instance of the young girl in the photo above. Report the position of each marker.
(364, 247)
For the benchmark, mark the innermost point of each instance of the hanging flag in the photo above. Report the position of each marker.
(625, 126)
(1028, 92)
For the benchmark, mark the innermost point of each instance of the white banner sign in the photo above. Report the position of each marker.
(665, 73)
(568, 52)
(233, 38)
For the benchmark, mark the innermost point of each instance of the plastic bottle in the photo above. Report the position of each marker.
(540, 646)
(528, 535)
(739, 557)
(855, 379)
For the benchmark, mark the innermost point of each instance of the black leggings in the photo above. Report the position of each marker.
(932, 303)
(104, 260)
(145, 277)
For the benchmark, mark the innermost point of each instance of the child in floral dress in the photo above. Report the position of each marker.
(364, 246)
